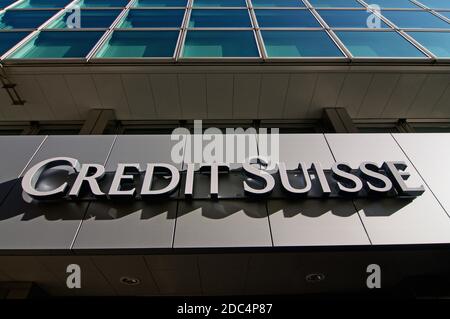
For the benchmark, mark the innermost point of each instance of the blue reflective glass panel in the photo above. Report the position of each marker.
(102, 3)
(10, 39)
(43, 4)
(220, 44)
(220, 3)
(393, 4)
(436, 4)
(278, 3)
(335, 3)
(5, 3)
(88, 19)
(157, 18)
(160, 3)
(350, 19)
(24, 19)
(204, 18)
(299, 44)
(437, 42)
(61, 44)
(286, 19)
(139, 44)
(415, 19)
(378, 44)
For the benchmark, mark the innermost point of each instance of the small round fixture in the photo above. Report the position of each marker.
(315, 277)
(130, 281)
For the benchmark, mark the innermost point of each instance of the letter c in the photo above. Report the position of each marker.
(31, 177)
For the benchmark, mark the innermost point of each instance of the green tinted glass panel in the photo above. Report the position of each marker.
(299, 44)
(378, 44)
(220, 44)
(394, 4)
(285, 19)
(139, 44)
(5, 3)
(64, 44)
(10, 39)
(103, 3)
(43, 4)
(88, 19)
(220, 3)
(335, 3)
(437, 42)
(24, 19)
(278, 3)
(350, 19)
(160, 3)
(203, 18)
(157, 18)
(415, 19)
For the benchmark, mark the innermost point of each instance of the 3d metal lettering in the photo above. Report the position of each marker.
(369, 179)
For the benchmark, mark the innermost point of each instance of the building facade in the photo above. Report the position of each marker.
(105, 82)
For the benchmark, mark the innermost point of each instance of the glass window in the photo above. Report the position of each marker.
(415, 19)
(59, 44)
(436, 4)
(43, 4)
(139, 44)
(102, 3)
(437, 42)
(24, 19)
(392, 4)
(220, 3)
(160, 3)
(5, 3)
(350, 19)
(335, 3)
(10, 39)
(286, 19)
(378, 44)
(156, 18)
(278, 3)
(88, 19)
(203, 18)
(217, 43)
(299, 43)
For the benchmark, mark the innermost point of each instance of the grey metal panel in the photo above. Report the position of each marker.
(430, 154)
(114, 268)
(141, 149)
(175, 274)
(273, 95)
(249, 150)
(134, 224)
(315, 223)
(128, 225)
(223, 274)
(16, 152)
(226, 223)
(353, 91)
(87, 149)
(307, 148)
(312, 222)
(192, 88)
(219, 95)
(246, 88)
(328, 87)
(26, 224)
(392, 221)
(299, 94)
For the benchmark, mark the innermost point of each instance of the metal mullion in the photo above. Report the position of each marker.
(440, 16)
(33, 33)
(109, 31)
(10, 6)
(419, 4)
(331, 34)
(417, 44)
(183, 32)
(256, 31)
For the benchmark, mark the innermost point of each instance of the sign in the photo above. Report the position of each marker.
(161, 180)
